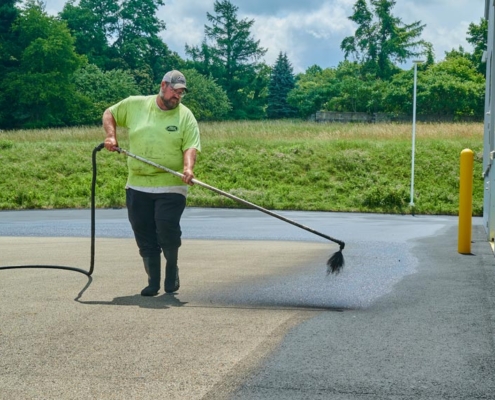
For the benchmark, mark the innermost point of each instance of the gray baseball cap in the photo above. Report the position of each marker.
(176, 79)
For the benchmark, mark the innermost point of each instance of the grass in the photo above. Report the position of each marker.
(280, 165)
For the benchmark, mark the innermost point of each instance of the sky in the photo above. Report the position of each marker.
(310, 31)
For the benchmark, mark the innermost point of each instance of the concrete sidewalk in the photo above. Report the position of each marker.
(65, 336)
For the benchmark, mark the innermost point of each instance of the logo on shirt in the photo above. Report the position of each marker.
(172, 128)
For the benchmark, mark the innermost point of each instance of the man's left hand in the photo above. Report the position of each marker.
(188, 176)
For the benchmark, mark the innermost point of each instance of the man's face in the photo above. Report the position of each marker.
(170, 97)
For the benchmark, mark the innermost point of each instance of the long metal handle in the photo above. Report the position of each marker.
(231, 196)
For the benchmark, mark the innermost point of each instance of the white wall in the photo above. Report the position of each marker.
(489, 131)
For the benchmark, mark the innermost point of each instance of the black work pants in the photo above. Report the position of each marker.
(155, 220)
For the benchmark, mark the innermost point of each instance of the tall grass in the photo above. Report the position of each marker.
(284, 165)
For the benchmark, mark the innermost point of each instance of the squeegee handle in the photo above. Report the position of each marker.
(231, 196)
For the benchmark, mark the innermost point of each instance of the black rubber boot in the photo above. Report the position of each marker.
(152, 266)
(172, 282)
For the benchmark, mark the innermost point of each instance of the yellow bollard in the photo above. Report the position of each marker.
(465, 202)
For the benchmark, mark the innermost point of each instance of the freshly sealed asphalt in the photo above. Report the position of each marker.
(256, 317)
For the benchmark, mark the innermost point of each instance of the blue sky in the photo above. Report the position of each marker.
(310, 31)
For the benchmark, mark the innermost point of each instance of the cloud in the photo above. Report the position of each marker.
(310, 31)
(288, 30)
(316, 31)
(185, 22)
(447, 21)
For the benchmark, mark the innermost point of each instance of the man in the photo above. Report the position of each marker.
(164, 131)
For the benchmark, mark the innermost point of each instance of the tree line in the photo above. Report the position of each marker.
(65, 70)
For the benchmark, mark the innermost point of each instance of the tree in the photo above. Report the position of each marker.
(8, 14)
(91, 24)
(206, 99)
(282, 81)
(452, 88)
(102, 89)
(382, 40)
(40, 92)
(478, 37)
(138, 26)
(122, 35)
(232, 57)
(313, 89)
(362, 45)
(354, 91)
(8, 53)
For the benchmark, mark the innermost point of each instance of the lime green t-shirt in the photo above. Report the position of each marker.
(157, 135)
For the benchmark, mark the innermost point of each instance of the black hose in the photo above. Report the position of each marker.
(92, 262)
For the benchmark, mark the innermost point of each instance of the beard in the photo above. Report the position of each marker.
(171, 103)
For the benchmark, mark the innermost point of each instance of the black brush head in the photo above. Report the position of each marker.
(335, 263)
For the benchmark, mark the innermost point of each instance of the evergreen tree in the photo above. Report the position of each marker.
(232, 57)
(282, 81)
(381, 40)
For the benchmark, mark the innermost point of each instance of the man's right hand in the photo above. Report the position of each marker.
(111, 144)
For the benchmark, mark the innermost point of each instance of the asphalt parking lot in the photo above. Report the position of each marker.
(256, 316)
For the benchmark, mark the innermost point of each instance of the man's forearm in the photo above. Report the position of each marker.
(110, 128)
(189, 159)
(109, 124)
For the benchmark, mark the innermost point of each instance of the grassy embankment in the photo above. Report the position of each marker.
(277, 165)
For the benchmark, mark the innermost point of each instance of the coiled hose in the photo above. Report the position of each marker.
(92, 260)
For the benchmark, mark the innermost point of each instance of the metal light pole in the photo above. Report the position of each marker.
(416, 62)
